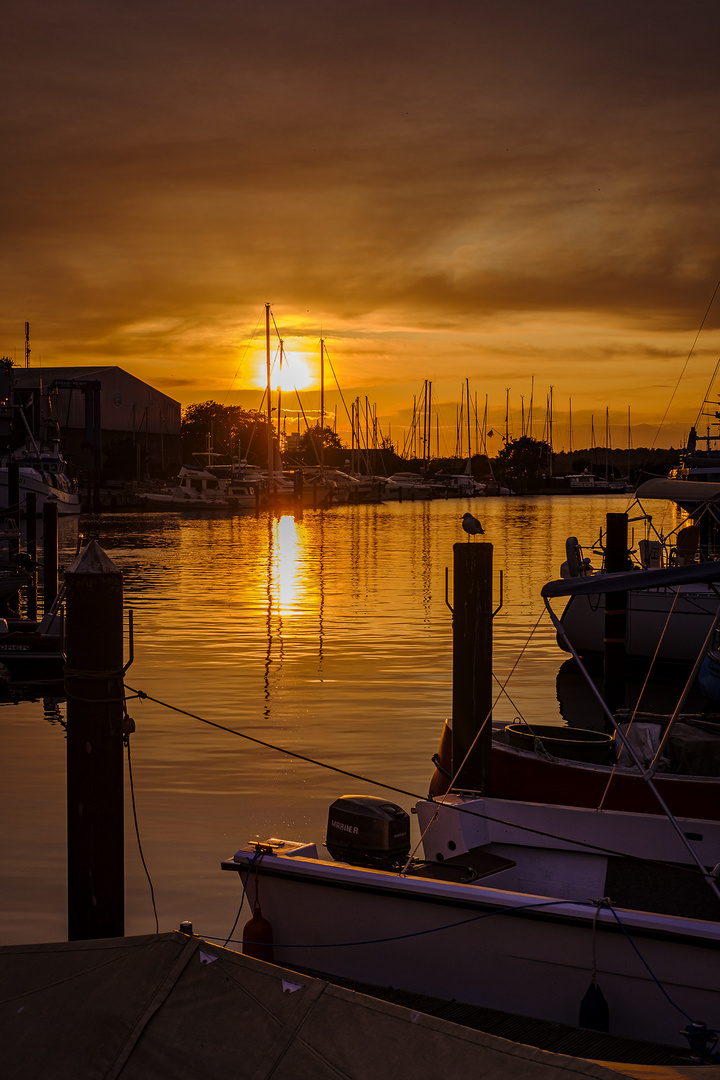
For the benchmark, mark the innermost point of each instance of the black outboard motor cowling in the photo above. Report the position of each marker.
(367, 831)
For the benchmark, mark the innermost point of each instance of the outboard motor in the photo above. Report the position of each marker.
(368, 831)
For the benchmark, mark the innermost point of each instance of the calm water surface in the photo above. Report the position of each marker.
(325, 633)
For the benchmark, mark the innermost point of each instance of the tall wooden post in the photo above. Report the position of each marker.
(472, 666)
(93, 684)
(50, 554)
(616, 560)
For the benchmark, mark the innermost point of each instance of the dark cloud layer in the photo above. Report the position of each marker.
(435, 167)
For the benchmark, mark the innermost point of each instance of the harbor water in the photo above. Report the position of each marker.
(325, 633)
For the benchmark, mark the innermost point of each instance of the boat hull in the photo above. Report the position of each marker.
(488, 946)
(576, 784)
(160, 501)
(67, 501)
(657, 622)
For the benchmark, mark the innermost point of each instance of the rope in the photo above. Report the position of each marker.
(126, 740)
(255, 859)
(684, 367)
(458, 808)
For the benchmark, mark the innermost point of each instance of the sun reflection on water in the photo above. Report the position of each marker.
(286, 587)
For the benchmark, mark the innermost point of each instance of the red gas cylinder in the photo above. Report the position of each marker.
(258, 936)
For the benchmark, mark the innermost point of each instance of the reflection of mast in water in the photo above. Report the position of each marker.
(426, 560)
(321, 591)
(272, 564)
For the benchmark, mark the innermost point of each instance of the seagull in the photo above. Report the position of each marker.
(472, 526)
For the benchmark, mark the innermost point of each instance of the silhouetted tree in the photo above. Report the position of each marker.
(523, 462)
(334, 453)
(231, 430)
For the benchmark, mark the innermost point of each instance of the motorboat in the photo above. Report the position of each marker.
(330, 486)
(670, 621)
(42, 469)
(609, 917)
(680, 752)
(410, 485)
(460, 485)
(33, 650)
(43, 472)
(197, 488)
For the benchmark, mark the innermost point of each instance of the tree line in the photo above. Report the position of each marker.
(524, 464)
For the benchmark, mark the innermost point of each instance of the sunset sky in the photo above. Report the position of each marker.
(491, 191)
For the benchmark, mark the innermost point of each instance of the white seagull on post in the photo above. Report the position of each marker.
(472, 526)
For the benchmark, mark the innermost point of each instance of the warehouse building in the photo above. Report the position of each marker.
(108, 418)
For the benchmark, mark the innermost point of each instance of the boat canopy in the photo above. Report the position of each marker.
(632, 580)
(679, 491)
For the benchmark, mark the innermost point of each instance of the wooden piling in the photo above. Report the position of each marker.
(472, 666)
(616, 560)
(50, 554)
(94, 685)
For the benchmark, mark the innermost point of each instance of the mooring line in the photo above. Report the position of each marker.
(142, 696)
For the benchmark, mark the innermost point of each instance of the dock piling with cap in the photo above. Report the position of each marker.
(95, 712)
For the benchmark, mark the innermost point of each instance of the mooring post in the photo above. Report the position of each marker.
(616, 560)
(50, 554)
(94, 688)
(31, 548)
(472, 666)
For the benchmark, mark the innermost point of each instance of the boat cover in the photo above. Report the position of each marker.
(679, 491)
(174, 1007)
(632, 580)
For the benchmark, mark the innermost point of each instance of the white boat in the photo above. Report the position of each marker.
(409, 485)
(43, 472)
(461, 485)
(211, 484)
(323, 485)
(196, 489)
(556, 912)
(42, 468)
(672, 621)
(501, 916)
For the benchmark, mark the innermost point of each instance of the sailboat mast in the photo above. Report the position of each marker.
(467, 399)
(429, 438)
(607, 442)
(530, 412)
(322, 402)
(550, 432)
(279, 412)
(269, 399)
(629, 443)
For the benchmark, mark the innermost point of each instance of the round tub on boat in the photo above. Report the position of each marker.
(577, 744)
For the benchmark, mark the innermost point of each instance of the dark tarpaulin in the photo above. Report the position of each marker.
(172, 1007)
